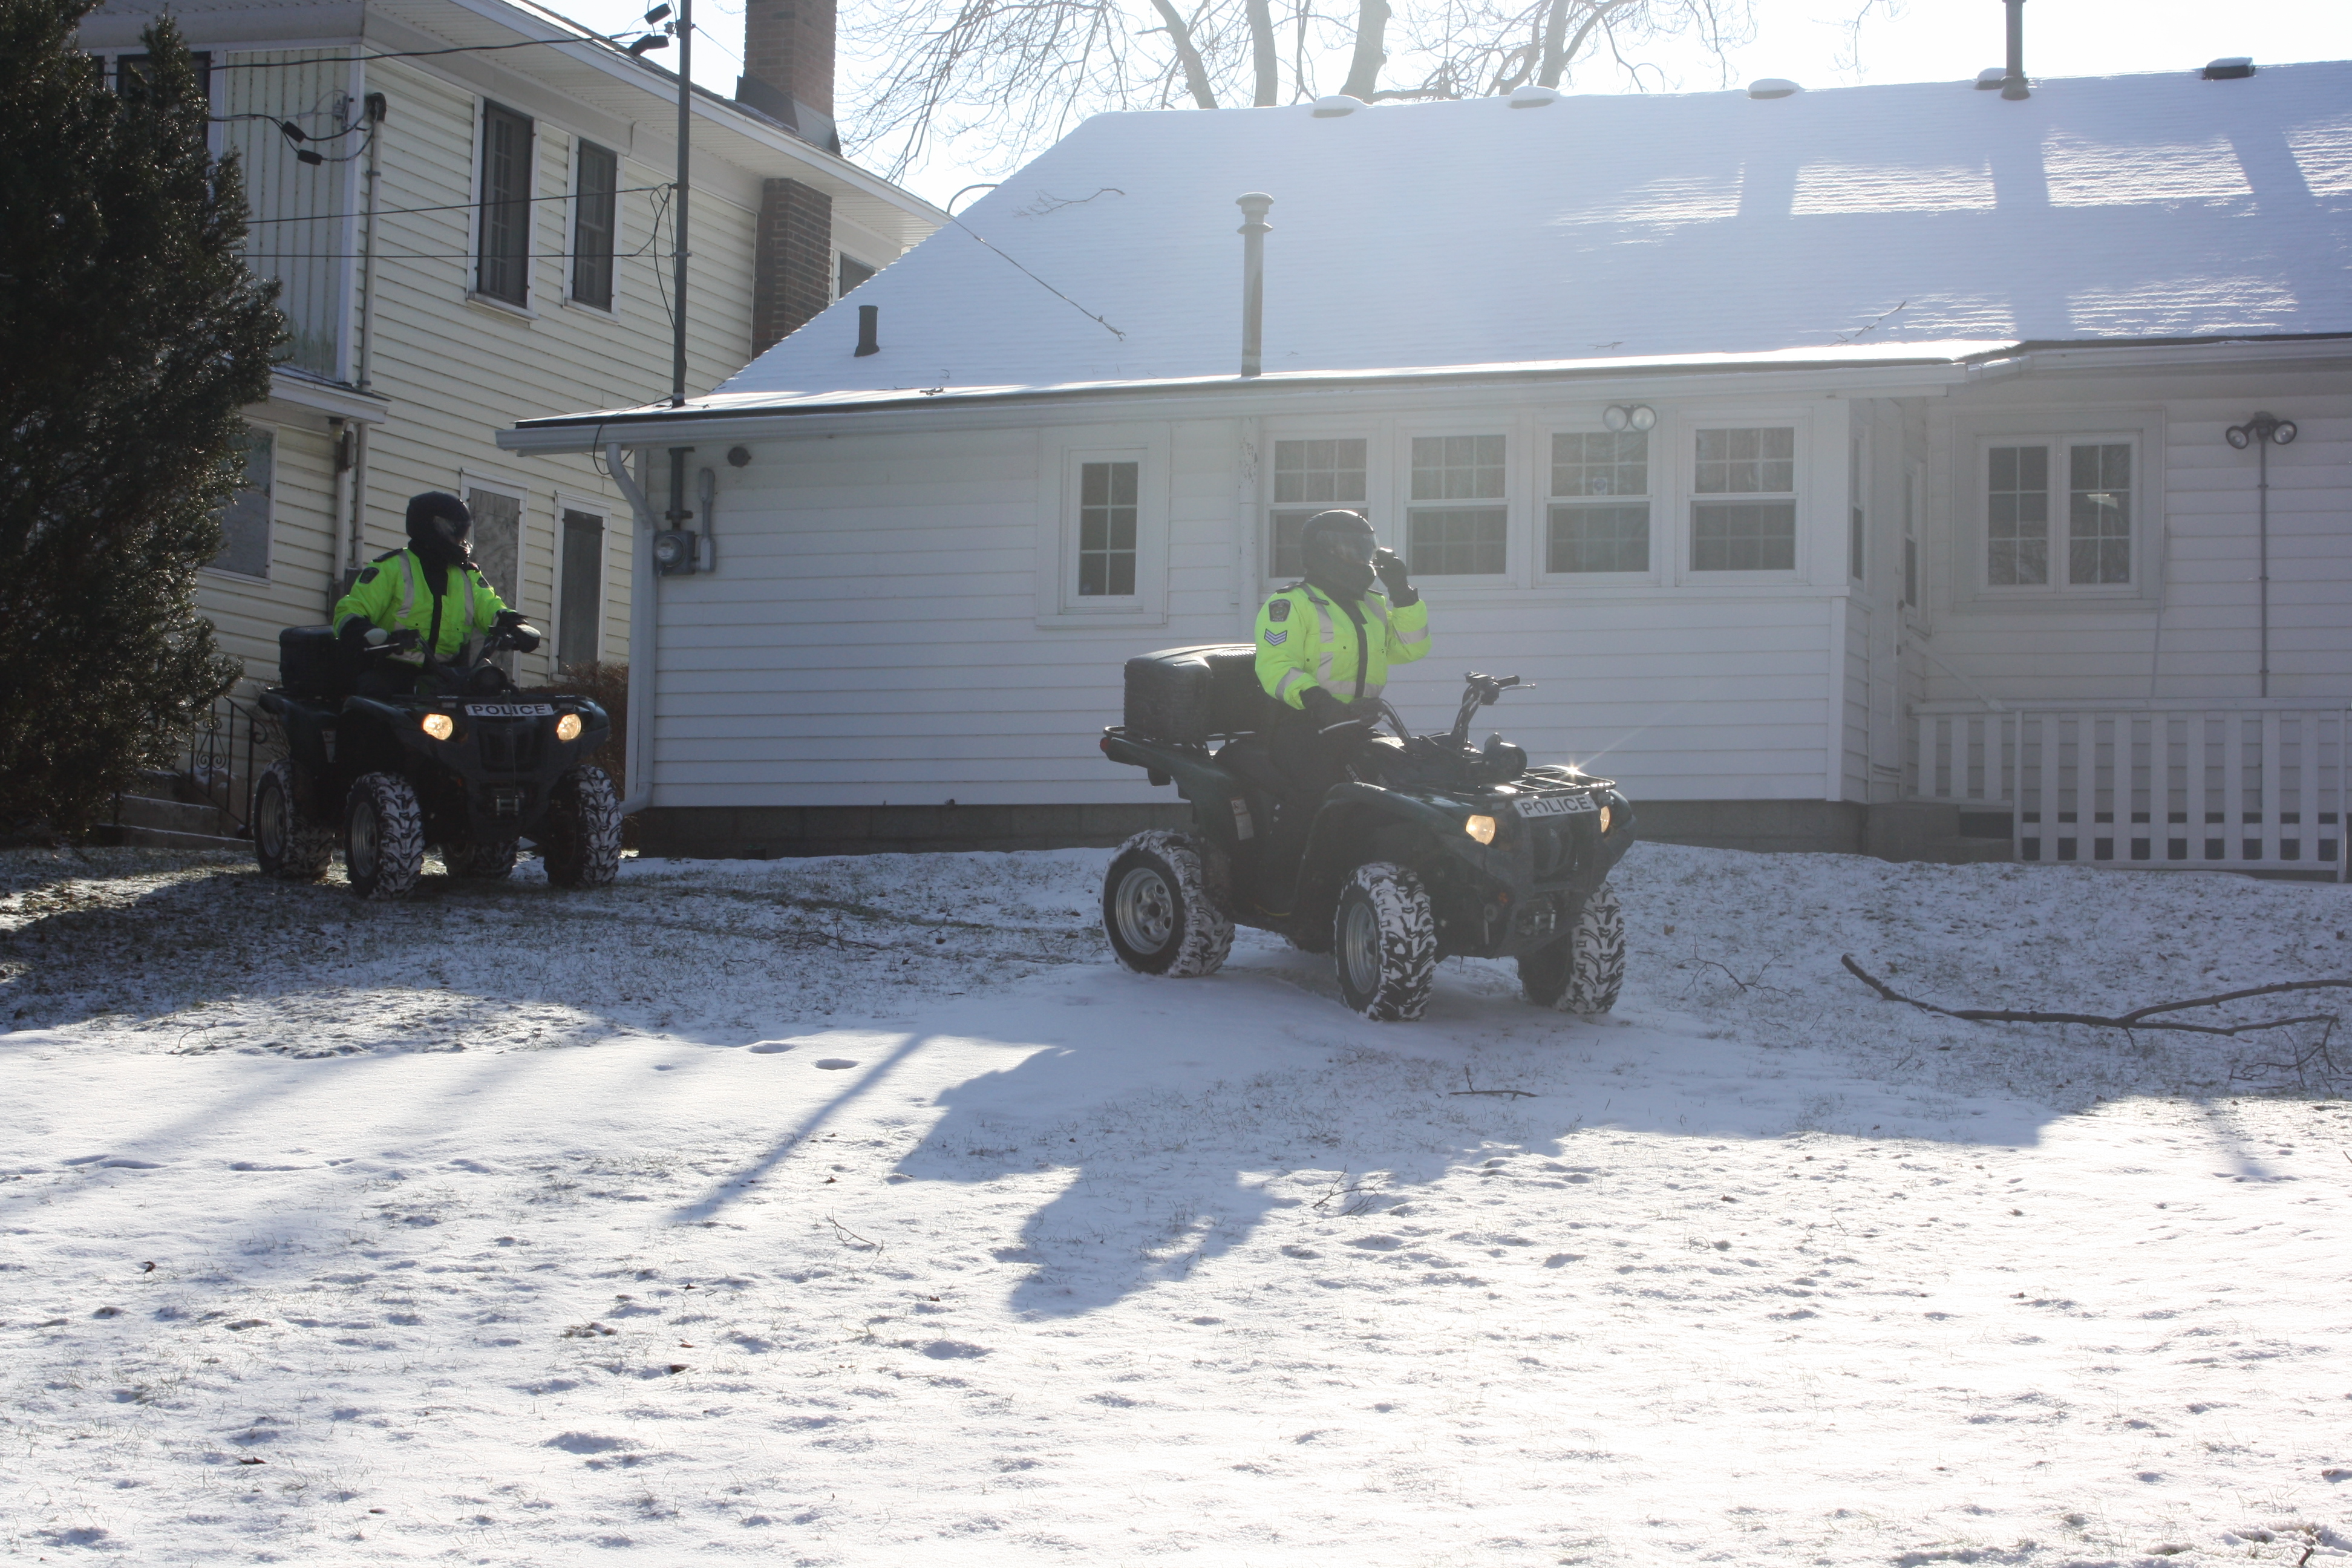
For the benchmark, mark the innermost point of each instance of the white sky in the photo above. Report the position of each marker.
(1926, 40)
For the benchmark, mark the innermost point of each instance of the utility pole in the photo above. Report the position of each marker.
(685, 126)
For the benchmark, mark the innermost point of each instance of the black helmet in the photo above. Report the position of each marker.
(1336, 548)
(438, 518)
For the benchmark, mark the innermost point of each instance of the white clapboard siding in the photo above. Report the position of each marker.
(2200, 640)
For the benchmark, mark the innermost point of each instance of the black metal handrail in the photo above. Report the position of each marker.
(212, 771)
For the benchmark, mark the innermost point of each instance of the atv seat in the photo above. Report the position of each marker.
(1249, 756)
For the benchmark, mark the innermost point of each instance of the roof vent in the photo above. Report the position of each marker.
(1773, 87)
(1534, 97)
(1990, 79)
(1334, 105)
(2229, 69)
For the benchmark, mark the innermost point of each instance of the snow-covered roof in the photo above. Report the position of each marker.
(1658, 228)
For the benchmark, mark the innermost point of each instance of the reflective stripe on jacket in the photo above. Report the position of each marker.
(393, 591)
(1304, 640)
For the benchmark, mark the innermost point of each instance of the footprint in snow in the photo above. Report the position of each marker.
(769, 1047)
(835, 1063)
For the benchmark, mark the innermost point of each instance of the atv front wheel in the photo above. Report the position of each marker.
(581, 841)
(1384, 942)
(383, 837)
(1583, 971)
(1159, 910)
(290, 843)
(486, 859)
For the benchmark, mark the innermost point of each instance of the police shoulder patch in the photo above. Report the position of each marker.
(1279, 611)
(368, 575)
(1276, 639)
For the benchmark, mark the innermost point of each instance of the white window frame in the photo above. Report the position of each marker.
(1658, 498)
(277, 463)
(572, 224)
(1912, 590)
(594, 506)
(833, 280)
(1060, 458)
(2057, 435)
(473, 295)
(1516, 572)
(470, 481)
(1374, 434)
(1806, 496)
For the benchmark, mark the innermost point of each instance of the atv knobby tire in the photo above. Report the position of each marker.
(383, 837)
(1583, 971)
(1163, 909)
(290, 843)
(581, 843)
(487, 861)
(1384, 942)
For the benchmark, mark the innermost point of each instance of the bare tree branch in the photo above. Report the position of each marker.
(1262, 55)
(2139, 1018)
(1196, 75)
(1371, 51)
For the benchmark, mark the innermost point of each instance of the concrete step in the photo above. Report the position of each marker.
(127, 837)
(179, 818)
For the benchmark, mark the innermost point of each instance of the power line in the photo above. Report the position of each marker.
(452, 206)
(422, 54)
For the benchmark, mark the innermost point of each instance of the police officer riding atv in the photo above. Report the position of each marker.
(403, 732)
(1389, 851)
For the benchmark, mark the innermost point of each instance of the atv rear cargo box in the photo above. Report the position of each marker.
(311, 664)
(1187, 695)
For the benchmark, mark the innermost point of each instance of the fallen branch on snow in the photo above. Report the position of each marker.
(2139, 1018)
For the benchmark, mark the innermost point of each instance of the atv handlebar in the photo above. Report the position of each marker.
(1481, 691)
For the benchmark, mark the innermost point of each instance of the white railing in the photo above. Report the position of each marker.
(2147, 784)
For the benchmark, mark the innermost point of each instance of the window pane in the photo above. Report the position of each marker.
(849, 275)
(1599, 539)
(504, 273)
(1743, 536)
(1329, 472)
(1107, 518)
(245, 521)
(593, 227)
(1457, 468)
(2017, 516)
(576, 637)
(2098, 514)
(1601, 463)
(1452, 541)
(1762, 461)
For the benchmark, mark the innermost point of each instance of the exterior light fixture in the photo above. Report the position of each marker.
(2265, 431)
(650, 41)
(308, 155)
(1629, 417)
(656, 15)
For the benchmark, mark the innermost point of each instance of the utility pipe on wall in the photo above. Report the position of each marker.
(375, 112)
(2263, 431)
(645, 598)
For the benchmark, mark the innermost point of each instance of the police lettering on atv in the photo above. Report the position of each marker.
(1429, 849)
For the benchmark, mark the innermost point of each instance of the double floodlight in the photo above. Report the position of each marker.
(1629, 417)
(654, 40)
(2261, 428)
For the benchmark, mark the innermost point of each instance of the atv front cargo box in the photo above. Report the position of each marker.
(311, 664)
(1186, 695)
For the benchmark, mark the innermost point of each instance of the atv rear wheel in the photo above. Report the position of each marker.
(288, 842)
(581, 841)
(1161, 909)
(486, 859)
(1583, 971)
(383, 837)
(1384, 942)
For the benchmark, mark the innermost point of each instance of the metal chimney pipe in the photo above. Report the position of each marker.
(869, 326)
(2012, 85)
(1253, 231)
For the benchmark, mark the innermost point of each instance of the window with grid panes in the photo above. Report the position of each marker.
(2020, 509)
(1309, 476)
(2017, 516)
(1600, 510)
(1106, 514)
(1854, 528)
(1448, 532)
(2098, 512)
(592, 226)
(1744, 505)
(504, 269)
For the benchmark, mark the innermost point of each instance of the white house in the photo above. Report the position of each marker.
(1848, 467)
(475, 227)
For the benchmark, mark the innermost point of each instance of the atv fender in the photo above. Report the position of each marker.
(1211, 788)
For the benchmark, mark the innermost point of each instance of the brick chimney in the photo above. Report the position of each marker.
(788, 67)
(788, 77)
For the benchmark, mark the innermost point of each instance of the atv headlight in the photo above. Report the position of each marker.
(568, 727)
(440, 726)
(1604, 821)
(1481, 828)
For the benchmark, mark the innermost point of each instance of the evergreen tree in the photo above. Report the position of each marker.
(130, 334)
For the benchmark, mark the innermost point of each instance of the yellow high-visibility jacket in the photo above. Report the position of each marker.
(1304, 639)
(393, 591)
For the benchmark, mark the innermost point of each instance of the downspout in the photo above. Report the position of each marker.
(374, 109)
(645, 591)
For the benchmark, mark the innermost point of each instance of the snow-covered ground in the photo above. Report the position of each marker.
(861, 1212)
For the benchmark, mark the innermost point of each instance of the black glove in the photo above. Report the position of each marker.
(1395, 578)
(1322, 709)
(515, 632)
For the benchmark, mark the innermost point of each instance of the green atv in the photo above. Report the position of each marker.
(1430, 848)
